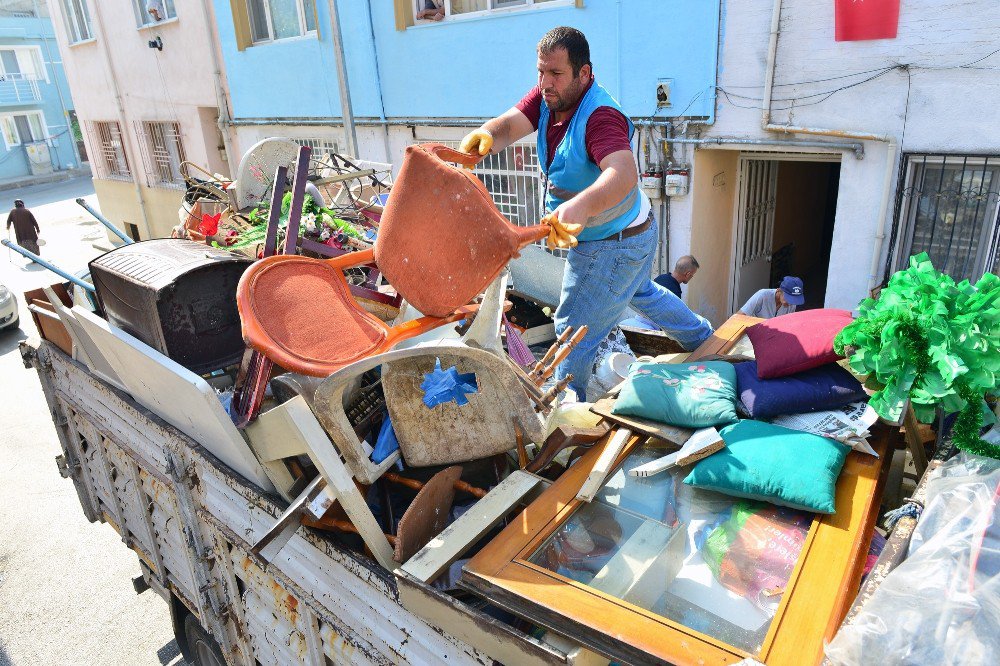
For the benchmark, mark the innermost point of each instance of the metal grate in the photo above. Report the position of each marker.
(320, 149)
(162, 153)
(950, 208)
(112, 162)
(759, 194)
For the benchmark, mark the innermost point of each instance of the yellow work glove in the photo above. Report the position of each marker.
(561, 236)
(477, 141)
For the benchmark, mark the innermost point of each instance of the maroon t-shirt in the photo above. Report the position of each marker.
(607, 128)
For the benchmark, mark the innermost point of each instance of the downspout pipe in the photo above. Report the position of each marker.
(116, 89)
(346, 109)
(892, 148)
(225, 117)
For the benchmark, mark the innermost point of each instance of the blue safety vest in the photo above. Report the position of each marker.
(572, 171)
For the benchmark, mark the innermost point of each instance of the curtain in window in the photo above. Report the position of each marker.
(466, 6)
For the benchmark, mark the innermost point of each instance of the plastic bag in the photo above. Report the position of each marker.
(753, 552)
(942, 604)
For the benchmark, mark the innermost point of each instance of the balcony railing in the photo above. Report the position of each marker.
(18, 89)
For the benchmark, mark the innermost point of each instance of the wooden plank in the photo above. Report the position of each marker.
(914, 443)
(328, 461)
(448, 546)
(647, 427)
(703, 443)
(599, 472)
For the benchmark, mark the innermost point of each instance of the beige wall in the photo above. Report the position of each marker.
(120, 205)
(173, 85)
(712, 198)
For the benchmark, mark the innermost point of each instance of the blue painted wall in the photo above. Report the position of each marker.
(39, 32)
(474, 67)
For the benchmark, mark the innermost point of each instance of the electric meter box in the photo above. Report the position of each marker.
(676, 183)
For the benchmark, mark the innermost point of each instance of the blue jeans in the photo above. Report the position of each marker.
(601, 279)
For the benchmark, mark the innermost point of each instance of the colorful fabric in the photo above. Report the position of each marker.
(754, 551)
(695, 395)
(774, 464)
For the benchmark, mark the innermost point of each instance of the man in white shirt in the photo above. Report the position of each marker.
(768, 303)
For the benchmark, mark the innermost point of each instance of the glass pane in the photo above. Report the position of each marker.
(82, 17)
(285, 18)
(9, 61)
(711, 563)
(37, 131)
(309, 9)
(499, 4)
(951, 203)
(467, 6)
(169, 6)
(742, 347)
(258, 20)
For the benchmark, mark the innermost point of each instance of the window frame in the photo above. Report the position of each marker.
(914, 166)
(145, 20)
(74, 34)
(829, 565)
(416, 6)
(10, 130)
(37, 62)
(302, 7)
(150, 133)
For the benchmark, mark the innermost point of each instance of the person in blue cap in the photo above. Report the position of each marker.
(768, 303)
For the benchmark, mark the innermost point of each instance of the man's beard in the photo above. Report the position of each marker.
(565, 101)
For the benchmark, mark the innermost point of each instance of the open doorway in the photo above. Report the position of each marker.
(785, 214)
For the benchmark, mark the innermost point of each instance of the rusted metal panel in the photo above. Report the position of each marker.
(167, 529)
(316, 602)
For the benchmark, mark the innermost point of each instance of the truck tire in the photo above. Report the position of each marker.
(204, 650)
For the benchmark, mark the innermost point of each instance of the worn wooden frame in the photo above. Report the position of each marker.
(820, 590)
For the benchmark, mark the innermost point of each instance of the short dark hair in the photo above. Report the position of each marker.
(570, 39)
(18, 203)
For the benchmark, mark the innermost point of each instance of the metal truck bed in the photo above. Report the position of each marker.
(191, 522)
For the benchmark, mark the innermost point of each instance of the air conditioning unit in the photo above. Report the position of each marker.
(38, 157)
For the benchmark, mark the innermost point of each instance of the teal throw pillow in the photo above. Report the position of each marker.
(687, 395)
(767, 462)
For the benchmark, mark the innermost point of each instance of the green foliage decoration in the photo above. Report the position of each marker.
(932, 341)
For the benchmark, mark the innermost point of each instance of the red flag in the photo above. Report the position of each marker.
(866, 19)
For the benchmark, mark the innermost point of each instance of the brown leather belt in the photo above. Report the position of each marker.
(632, 231)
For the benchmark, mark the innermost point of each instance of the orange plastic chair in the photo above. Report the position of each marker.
(440, 244)
(441, 239)
(299, 312)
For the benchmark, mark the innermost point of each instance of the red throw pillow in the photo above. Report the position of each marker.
(795, 342)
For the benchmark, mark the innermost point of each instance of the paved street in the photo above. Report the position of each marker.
(65, 584)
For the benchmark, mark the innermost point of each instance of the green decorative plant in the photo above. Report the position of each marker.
(932, 341)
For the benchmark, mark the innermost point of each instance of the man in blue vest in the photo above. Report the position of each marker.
(591, 180)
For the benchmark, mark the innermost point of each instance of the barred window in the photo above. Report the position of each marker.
(162, 153)
(949, 207)
(112, 162)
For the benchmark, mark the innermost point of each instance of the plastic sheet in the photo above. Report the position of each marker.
(942, 604)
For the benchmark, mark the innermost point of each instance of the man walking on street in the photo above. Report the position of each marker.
(591, 179)
(25, 226)
(684, 270)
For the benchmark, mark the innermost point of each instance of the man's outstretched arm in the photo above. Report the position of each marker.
(498, 133)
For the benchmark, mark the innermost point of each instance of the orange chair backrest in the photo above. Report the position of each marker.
(442, 240)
